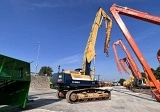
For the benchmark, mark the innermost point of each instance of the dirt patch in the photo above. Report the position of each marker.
(40, 82)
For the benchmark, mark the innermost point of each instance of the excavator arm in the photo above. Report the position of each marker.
(131, 62)
(89, 53)
(123, 63)
(126, 61)
(116, 57)
(116, 10)
(135, 14)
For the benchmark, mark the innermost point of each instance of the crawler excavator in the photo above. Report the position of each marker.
(140, 86)
(79, 85)
(116, 10)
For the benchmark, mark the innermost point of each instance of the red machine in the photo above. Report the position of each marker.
(116, 10)
(138, 81)
(158, 55)
(123, 63)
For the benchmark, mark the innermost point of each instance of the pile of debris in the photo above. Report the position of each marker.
(105, 84)
(39, 82)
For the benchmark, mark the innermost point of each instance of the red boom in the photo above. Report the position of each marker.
(116, 10)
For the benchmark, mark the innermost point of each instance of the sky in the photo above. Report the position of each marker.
(62, 28)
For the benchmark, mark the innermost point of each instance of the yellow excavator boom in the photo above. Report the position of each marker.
(89, 53)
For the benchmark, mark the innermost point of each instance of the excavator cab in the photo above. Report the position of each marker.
(140, 82)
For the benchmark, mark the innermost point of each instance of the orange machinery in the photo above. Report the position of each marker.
(158, 55)
(116, 11)
(123, 63)
(139, 81)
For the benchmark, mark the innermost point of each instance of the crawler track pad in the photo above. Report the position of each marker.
(90, 94)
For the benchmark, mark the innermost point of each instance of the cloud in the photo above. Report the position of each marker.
(69, 60)
(43, 5)
(71, 3)
(146, 34)
(55, 4)
(64, 3)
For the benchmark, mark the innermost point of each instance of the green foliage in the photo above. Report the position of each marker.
(51, 80)
(155, 72)
(45, 70)
(143, 75)
(121, 81)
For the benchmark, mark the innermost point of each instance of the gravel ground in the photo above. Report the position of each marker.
(39, 82)
(122, 100)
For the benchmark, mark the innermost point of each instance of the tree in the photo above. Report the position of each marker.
(45, 70)
(155, 72)
(121, 81)
(143, 74)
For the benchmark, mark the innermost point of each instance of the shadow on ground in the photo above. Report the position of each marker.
(36, 104)
(126, 92)
(34, 96)
(35, 101)
(41, 94)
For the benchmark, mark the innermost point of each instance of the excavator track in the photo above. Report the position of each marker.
(141, 90)
(61, 94)
(90, 94)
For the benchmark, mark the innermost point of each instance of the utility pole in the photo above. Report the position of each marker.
(59, 68)
(98, 77)
(37, 58)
